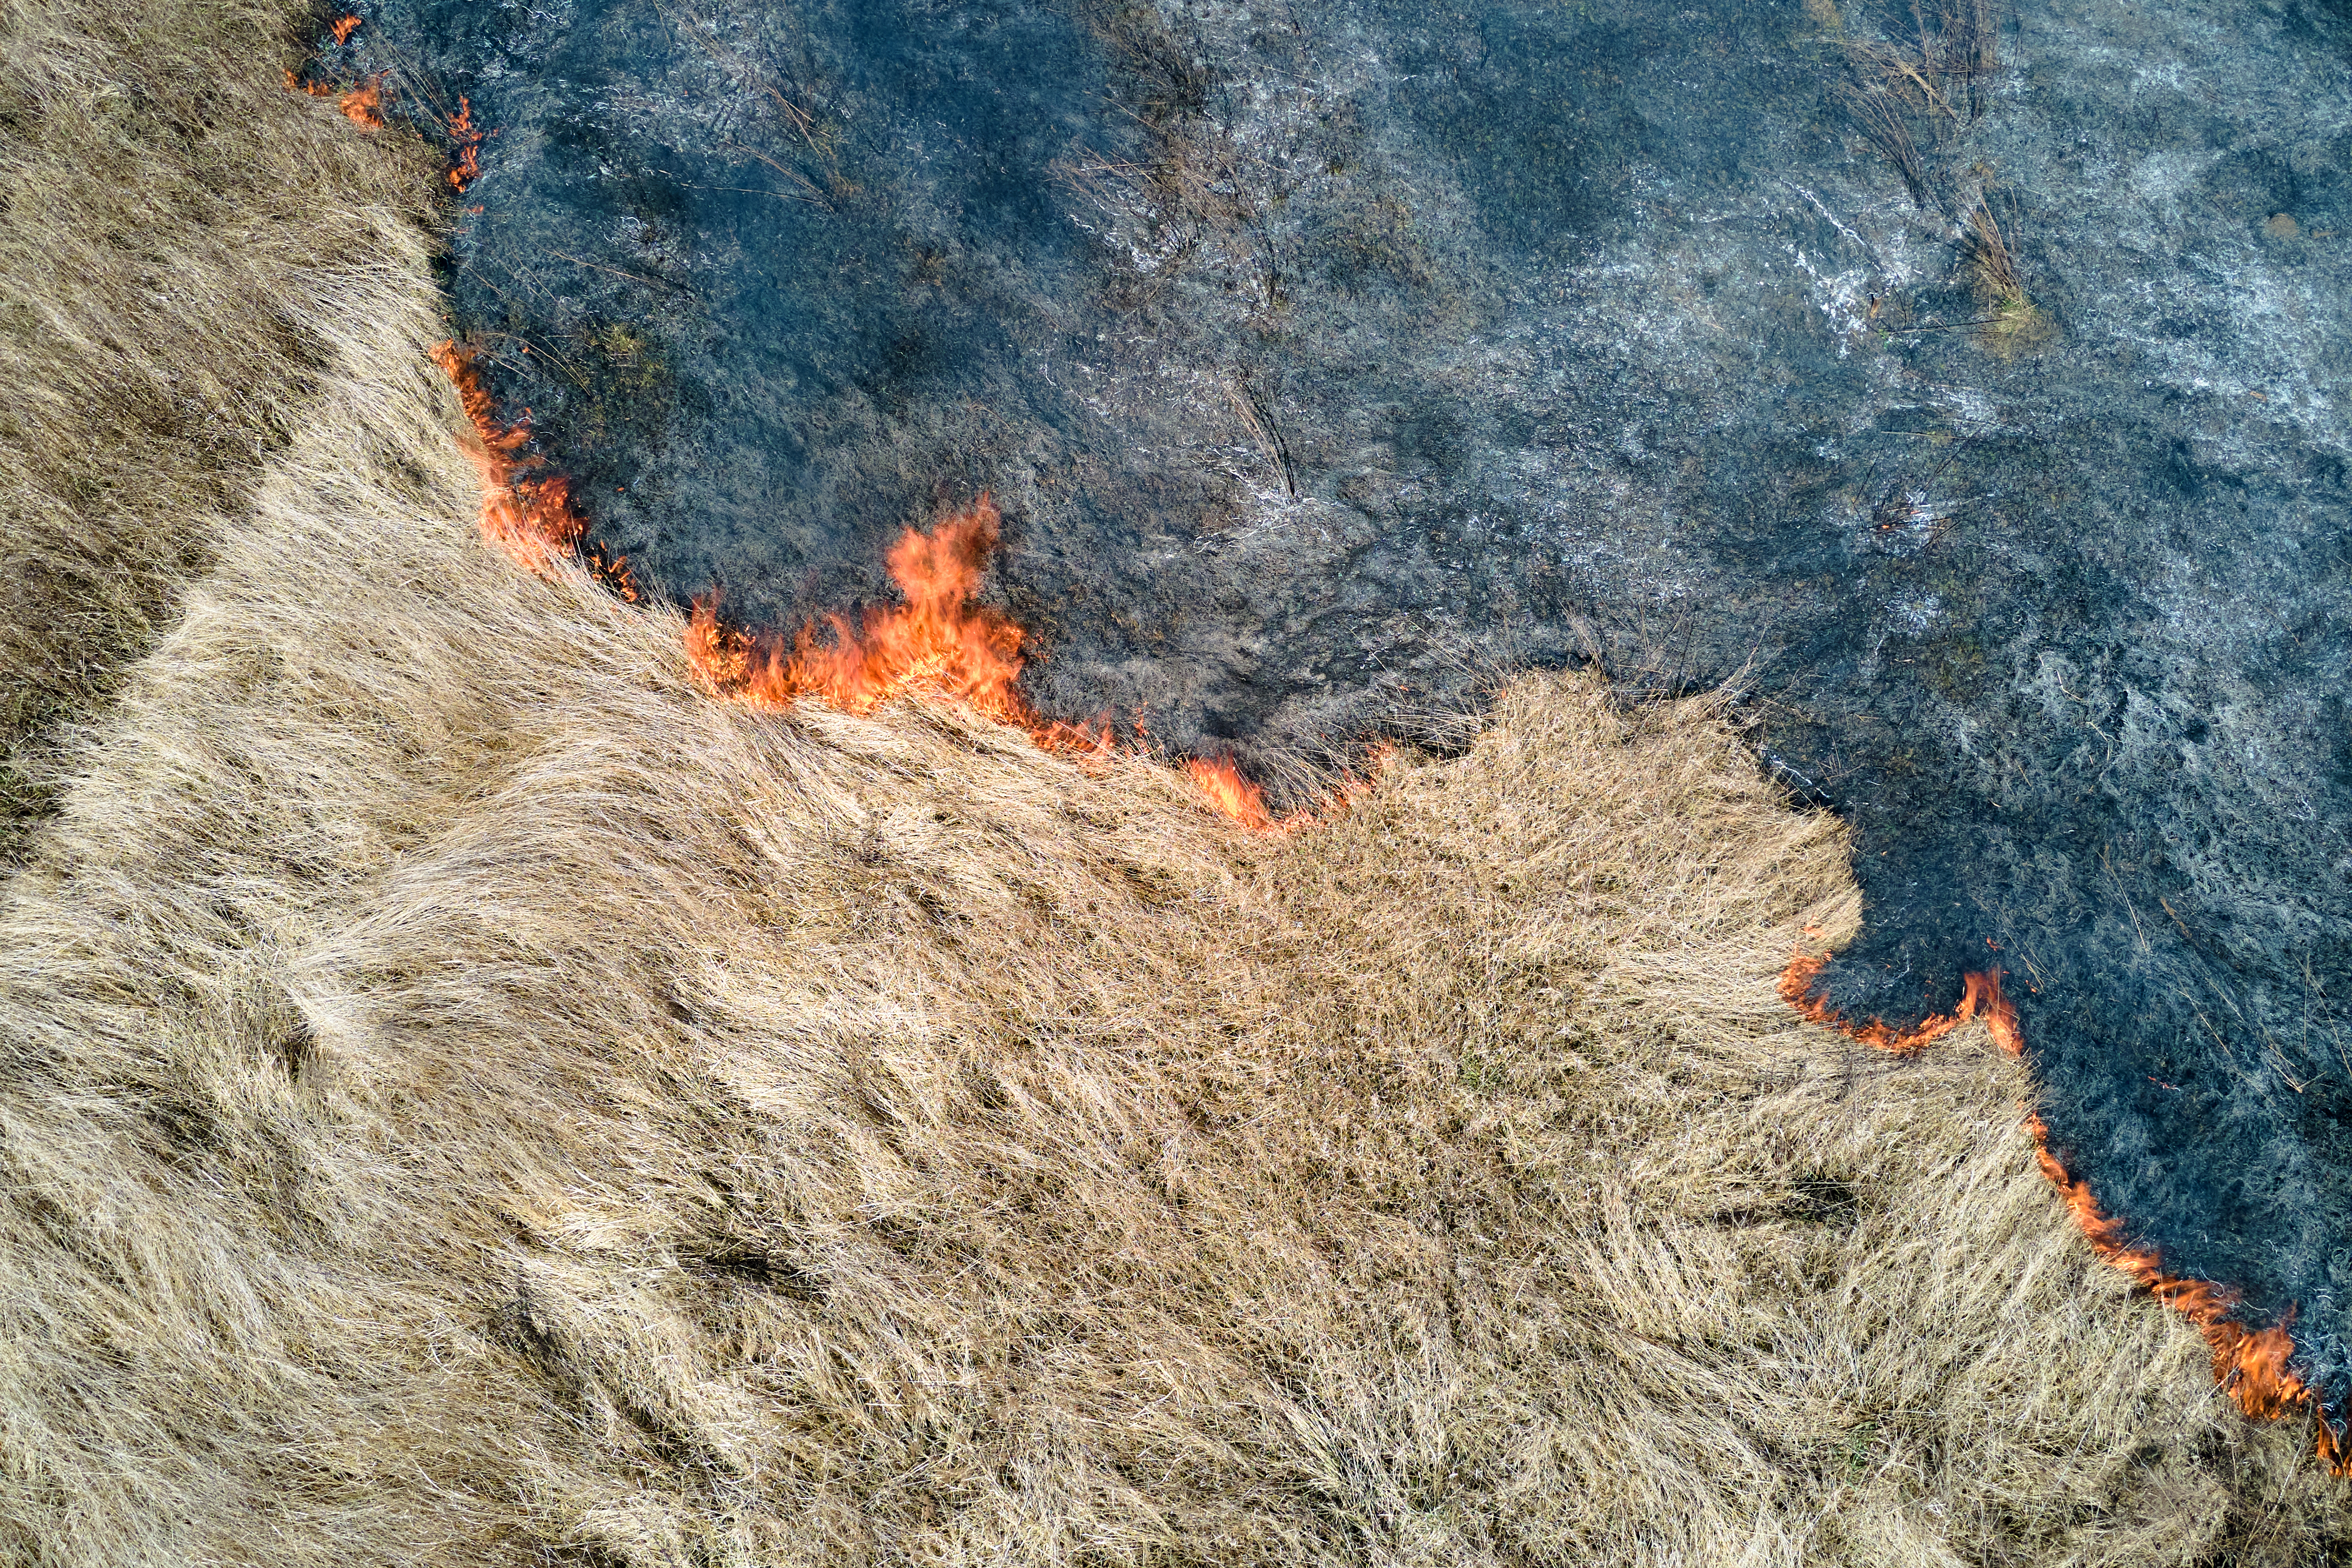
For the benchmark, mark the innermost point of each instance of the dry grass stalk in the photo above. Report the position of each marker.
(473, 1098)
(2014, 322)
(1937, 78)
(1878, 113)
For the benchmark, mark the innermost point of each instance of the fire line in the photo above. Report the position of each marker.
(943, 642)
(940, 641)
(2249, 1364)
(526, 511)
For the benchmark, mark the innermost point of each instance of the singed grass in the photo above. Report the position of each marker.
(470, 1096)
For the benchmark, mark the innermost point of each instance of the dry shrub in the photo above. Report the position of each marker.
(473, 1097)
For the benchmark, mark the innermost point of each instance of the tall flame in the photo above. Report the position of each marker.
(343, 27)
(2249, 1364)
(940, 641)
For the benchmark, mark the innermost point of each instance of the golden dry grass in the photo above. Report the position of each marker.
(177, 242)
(2012, 321)
(473, 1097)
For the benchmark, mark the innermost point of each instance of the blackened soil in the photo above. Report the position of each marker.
(1326, 357)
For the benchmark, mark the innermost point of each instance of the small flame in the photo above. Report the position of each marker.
(364, 105)
(2249, 1364)
(1222, 783)
(530, 515)
(1223, 787)
(345, 27)
(1980, 994)
(465, 160)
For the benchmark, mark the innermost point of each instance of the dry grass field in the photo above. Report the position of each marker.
(472, 1095)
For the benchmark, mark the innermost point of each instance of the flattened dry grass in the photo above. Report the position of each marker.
(472, 1097)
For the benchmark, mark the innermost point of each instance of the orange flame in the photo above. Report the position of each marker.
(1223, 787)
(529, 516)
(2249, 1364)
(943, 642)
(364, 105)
(940, 641)
(345, 27)
(1222, 783)
(1980, 994)
(466, 162)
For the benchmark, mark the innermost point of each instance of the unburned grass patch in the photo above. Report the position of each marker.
(180, 247)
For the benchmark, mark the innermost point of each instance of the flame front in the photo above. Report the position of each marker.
(1979, 996)
(2249, 1364)
(1222, 783)
(941, 641)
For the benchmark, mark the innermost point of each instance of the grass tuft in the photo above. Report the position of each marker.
(2013, 323)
